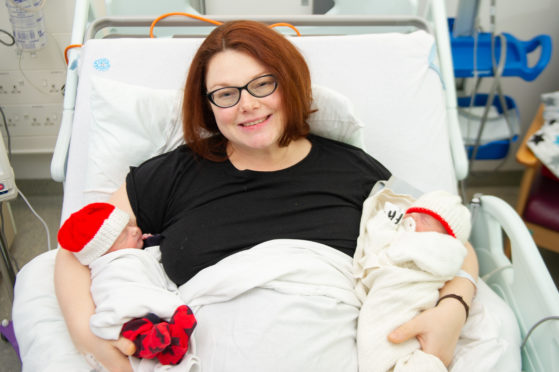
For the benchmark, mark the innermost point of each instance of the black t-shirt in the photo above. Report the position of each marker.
(207, 210)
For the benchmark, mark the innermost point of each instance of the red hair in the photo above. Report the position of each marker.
(271, 49)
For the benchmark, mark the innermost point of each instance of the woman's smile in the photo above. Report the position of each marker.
(255, 123)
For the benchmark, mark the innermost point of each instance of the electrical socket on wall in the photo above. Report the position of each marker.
(32, 86)
(33, 128)
(32, 102)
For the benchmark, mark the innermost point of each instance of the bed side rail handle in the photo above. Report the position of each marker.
(523, 248)
(60, 155)
(524, 282)
(62, 146)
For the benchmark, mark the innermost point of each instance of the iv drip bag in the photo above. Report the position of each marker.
(27, 19)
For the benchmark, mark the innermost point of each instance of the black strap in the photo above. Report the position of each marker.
(457, 297)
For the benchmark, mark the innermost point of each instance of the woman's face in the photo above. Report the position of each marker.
(253, 124)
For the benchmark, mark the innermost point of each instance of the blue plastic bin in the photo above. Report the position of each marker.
(495, 149)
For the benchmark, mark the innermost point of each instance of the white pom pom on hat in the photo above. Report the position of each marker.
(447, 209)
(92, 230)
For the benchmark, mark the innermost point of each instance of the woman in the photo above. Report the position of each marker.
(251, 171)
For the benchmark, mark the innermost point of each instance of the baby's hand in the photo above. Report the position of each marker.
(150, 240)
(125, 346)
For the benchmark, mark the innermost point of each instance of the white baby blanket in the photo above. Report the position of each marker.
(126, 284)
(283, 305)
(399, 273)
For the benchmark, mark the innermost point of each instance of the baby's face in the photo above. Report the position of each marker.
(130, 237)
(425, 222)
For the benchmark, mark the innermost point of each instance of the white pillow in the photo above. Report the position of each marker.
(334, 117)
(129, 124)
(132, 123)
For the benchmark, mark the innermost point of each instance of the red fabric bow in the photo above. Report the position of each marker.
(156, 338)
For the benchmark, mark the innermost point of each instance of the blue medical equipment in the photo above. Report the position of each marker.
(487, 54)
(517, 55)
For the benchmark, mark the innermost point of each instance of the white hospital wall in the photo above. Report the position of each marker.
(39, 78)
(523, 19)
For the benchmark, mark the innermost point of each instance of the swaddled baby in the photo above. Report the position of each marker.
(404, 255)
(133, 296)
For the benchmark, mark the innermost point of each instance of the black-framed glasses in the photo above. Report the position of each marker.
(259, 87)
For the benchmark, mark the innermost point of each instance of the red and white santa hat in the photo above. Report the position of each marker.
(448, 209)
(92, 230)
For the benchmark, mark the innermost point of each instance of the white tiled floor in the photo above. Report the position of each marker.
(46, 198)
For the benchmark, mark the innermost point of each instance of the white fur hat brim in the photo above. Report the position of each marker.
(105, 237)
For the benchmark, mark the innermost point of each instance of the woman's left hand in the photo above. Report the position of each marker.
(437, 330)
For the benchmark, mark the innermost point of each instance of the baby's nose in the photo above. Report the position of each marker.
(135, 231)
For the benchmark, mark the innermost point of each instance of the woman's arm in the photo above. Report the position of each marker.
(120, 200)
(72, 282)
(438, 329)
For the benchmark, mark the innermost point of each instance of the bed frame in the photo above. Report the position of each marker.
(522, 280)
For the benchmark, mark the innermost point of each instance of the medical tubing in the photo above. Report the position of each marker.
(7, 133)
(22, 72)
(498, 74)
(209, 20)
(537, 324)
(498, 69)
(71, 46)
(476, 84)
(38, 217)
(492, 273)
(204, 19)
(152, 26)
(10, 36)
(500, 91)
(500, 94)
(286, 25)
(495, 86)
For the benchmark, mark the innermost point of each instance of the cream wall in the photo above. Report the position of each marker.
(32, 146)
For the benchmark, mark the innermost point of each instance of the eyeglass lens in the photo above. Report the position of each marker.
(229, 96)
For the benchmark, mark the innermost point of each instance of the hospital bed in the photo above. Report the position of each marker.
(392, 93)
